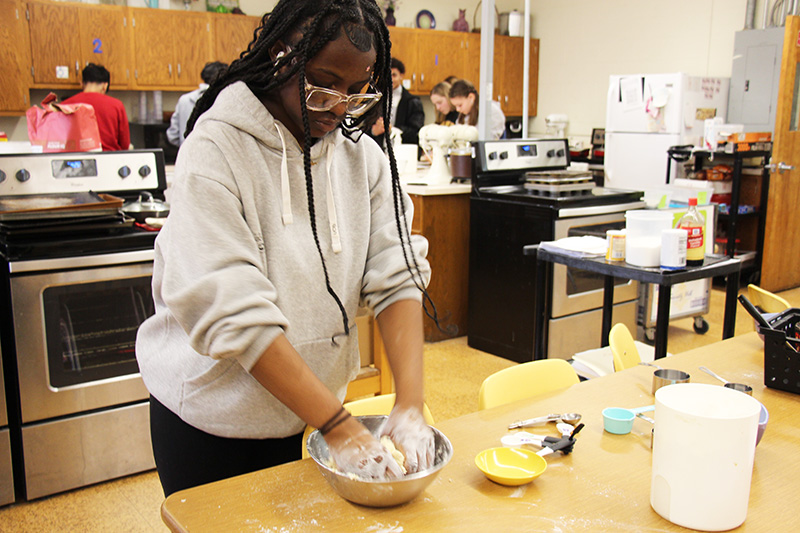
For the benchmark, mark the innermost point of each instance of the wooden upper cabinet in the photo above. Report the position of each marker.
(509, 72)
(55, 44)
(472, 68)
(14, 59)
(104, 41)
(404, 48)
(232, 35)
(440, 54)
(67, 37)
(170, 48)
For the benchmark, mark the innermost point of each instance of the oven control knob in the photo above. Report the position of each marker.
(503, 155)
(2, 176)
(493, 156)
(551, 153)
(144, 171)
(23, 175)
(560, 152)
(124, 171)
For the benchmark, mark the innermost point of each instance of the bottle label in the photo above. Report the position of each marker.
(695, 242)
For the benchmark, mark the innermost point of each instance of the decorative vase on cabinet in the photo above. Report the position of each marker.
(390, 20)
(461, 24)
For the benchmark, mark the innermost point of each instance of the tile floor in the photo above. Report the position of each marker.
(132, 504)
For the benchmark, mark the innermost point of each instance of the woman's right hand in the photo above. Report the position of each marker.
(355, 450)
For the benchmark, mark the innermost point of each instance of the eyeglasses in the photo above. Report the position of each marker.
(322, 99)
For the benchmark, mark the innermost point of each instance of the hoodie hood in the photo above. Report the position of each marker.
(260, 124)
(241, 109)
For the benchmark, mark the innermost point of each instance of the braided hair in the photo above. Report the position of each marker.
(318, 23)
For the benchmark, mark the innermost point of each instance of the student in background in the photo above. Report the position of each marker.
(407, 113)
(112, 120)
(446, 113)
(183, 109)
(465, 99)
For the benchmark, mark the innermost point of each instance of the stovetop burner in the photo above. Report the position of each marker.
(123, 174)
(535, 171)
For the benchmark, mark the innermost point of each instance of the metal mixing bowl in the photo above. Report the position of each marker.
(377, 493)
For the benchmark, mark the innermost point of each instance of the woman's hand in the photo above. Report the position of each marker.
(412, 436)
(355, 450)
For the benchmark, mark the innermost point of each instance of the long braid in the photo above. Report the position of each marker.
(382, 35)
(321, 22)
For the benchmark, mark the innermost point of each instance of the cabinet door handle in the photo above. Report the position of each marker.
(422, 78)
(77, 67)
(179, 70)
(170, 70)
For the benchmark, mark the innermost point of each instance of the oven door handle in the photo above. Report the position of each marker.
(86, 261)
(571, 212)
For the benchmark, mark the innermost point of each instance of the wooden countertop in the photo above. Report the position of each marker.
(604, 485)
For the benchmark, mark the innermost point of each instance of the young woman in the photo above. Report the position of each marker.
(446, 114)
(283, 219)
(464, 98)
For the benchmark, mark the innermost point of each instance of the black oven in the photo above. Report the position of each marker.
(521, 195)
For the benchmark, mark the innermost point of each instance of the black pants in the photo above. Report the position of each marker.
(187, 457)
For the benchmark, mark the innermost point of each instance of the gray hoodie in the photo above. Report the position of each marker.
(236, 265)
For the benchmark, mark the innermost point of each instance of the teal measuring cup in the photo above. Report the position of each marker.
(619, 421)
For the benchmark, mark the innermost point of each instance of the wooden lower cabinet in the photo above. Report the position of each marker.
(444, 221)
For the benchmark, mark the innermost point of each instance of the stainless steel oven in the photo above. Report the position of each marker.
(75, 288)
(577, 295)
(84, 408)
(523, 193)
(6, 470)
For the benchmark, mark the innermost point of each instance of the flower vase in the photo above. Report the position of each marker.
(390, 20)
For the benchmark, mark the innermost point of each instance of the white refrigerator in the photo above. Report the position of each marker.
(648, 113)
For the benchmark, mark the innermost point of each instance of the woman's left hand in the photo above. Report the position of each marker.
(412, 436)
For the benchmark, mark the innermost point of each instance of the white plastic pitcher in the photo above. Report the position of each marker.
(703, 450)
(643, 229)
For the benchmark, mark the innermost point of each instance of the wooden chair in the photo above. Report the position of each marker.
(623, 348)
(375, 376)
(766, 301)
(525, 381)
(375, 405)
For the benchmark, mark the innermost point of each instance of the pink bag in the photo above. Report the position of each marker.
(63, 127)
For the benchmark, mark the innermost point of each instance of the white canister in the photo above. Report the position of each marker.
(703, 449)
(643, 240)
(673, 249)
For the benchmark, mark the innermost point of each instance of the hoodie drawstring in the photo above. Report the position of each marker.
(286, 193)
(336, 242)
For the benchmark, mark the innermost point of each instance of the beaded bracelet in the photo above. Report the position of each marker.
(334, 421)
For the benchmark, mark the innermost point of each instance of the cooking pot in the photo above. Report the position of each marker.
(146, 207)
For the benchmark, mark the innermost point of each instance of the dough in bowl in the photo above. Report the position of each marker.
(396, 454)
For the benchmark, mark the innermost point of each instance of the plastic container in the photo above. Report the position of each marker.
(781, 361)
(643, 236)
(703, 449)
(673, 249)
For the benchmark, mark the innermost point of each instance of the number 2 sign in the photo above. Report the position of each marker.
(97, 46)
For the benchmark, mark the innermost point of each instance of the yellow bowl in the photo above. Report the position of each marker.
(510, 466)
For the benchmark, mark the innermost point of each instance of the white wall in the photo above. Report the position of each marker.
(582, 43)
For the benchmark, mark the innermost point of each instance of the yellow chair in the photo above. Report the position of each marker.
(766, 301)
(374, 405)
(525, 381)
(623, 348)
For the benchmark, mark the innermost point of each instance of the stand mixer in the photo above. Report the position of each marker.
(435, 140)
